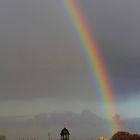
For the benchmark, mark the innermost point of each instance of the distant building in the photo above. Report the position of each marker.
(49, 136)
(64, 135)
(2, 137)
(104, 138)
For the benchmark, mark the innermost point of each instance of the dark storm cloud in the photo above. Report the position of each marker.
(40, 55)
(116, 27)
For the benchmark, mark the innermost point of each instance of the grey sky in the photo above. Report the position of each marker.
(41, 54)
(36, 60)
(43, 67)
(117, 31)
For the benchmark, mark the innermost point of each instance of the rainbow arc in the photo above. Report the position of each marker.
(94, 58)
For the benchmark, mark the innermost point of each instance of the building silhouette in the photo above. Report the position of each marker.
(64, 135)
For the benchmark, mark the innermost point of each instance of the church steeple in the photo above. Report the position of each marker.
(64, 135)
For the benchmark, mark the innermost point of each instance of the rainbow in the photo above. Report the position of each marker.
(94, 58)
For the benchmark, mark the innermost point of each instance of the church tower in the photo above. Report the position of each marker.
(64, 135)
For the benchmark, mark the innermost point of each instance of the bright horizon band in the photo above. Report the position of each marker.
(94, 59)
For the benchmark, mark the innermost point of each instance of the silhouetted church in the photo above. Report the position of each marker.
(64, 135)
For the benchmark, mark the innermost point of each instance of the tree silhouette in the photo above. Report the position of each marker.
(125, 136)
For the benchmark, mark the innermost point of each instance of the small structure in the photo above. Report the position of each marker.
(104, 138)
(49, 136)
(2, 137)
(64, 135)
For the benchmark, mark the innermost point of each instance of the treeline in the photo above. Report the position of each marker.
(125, 136)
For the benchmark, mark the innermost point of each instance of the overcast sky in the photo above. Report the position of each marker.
(43, 68)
